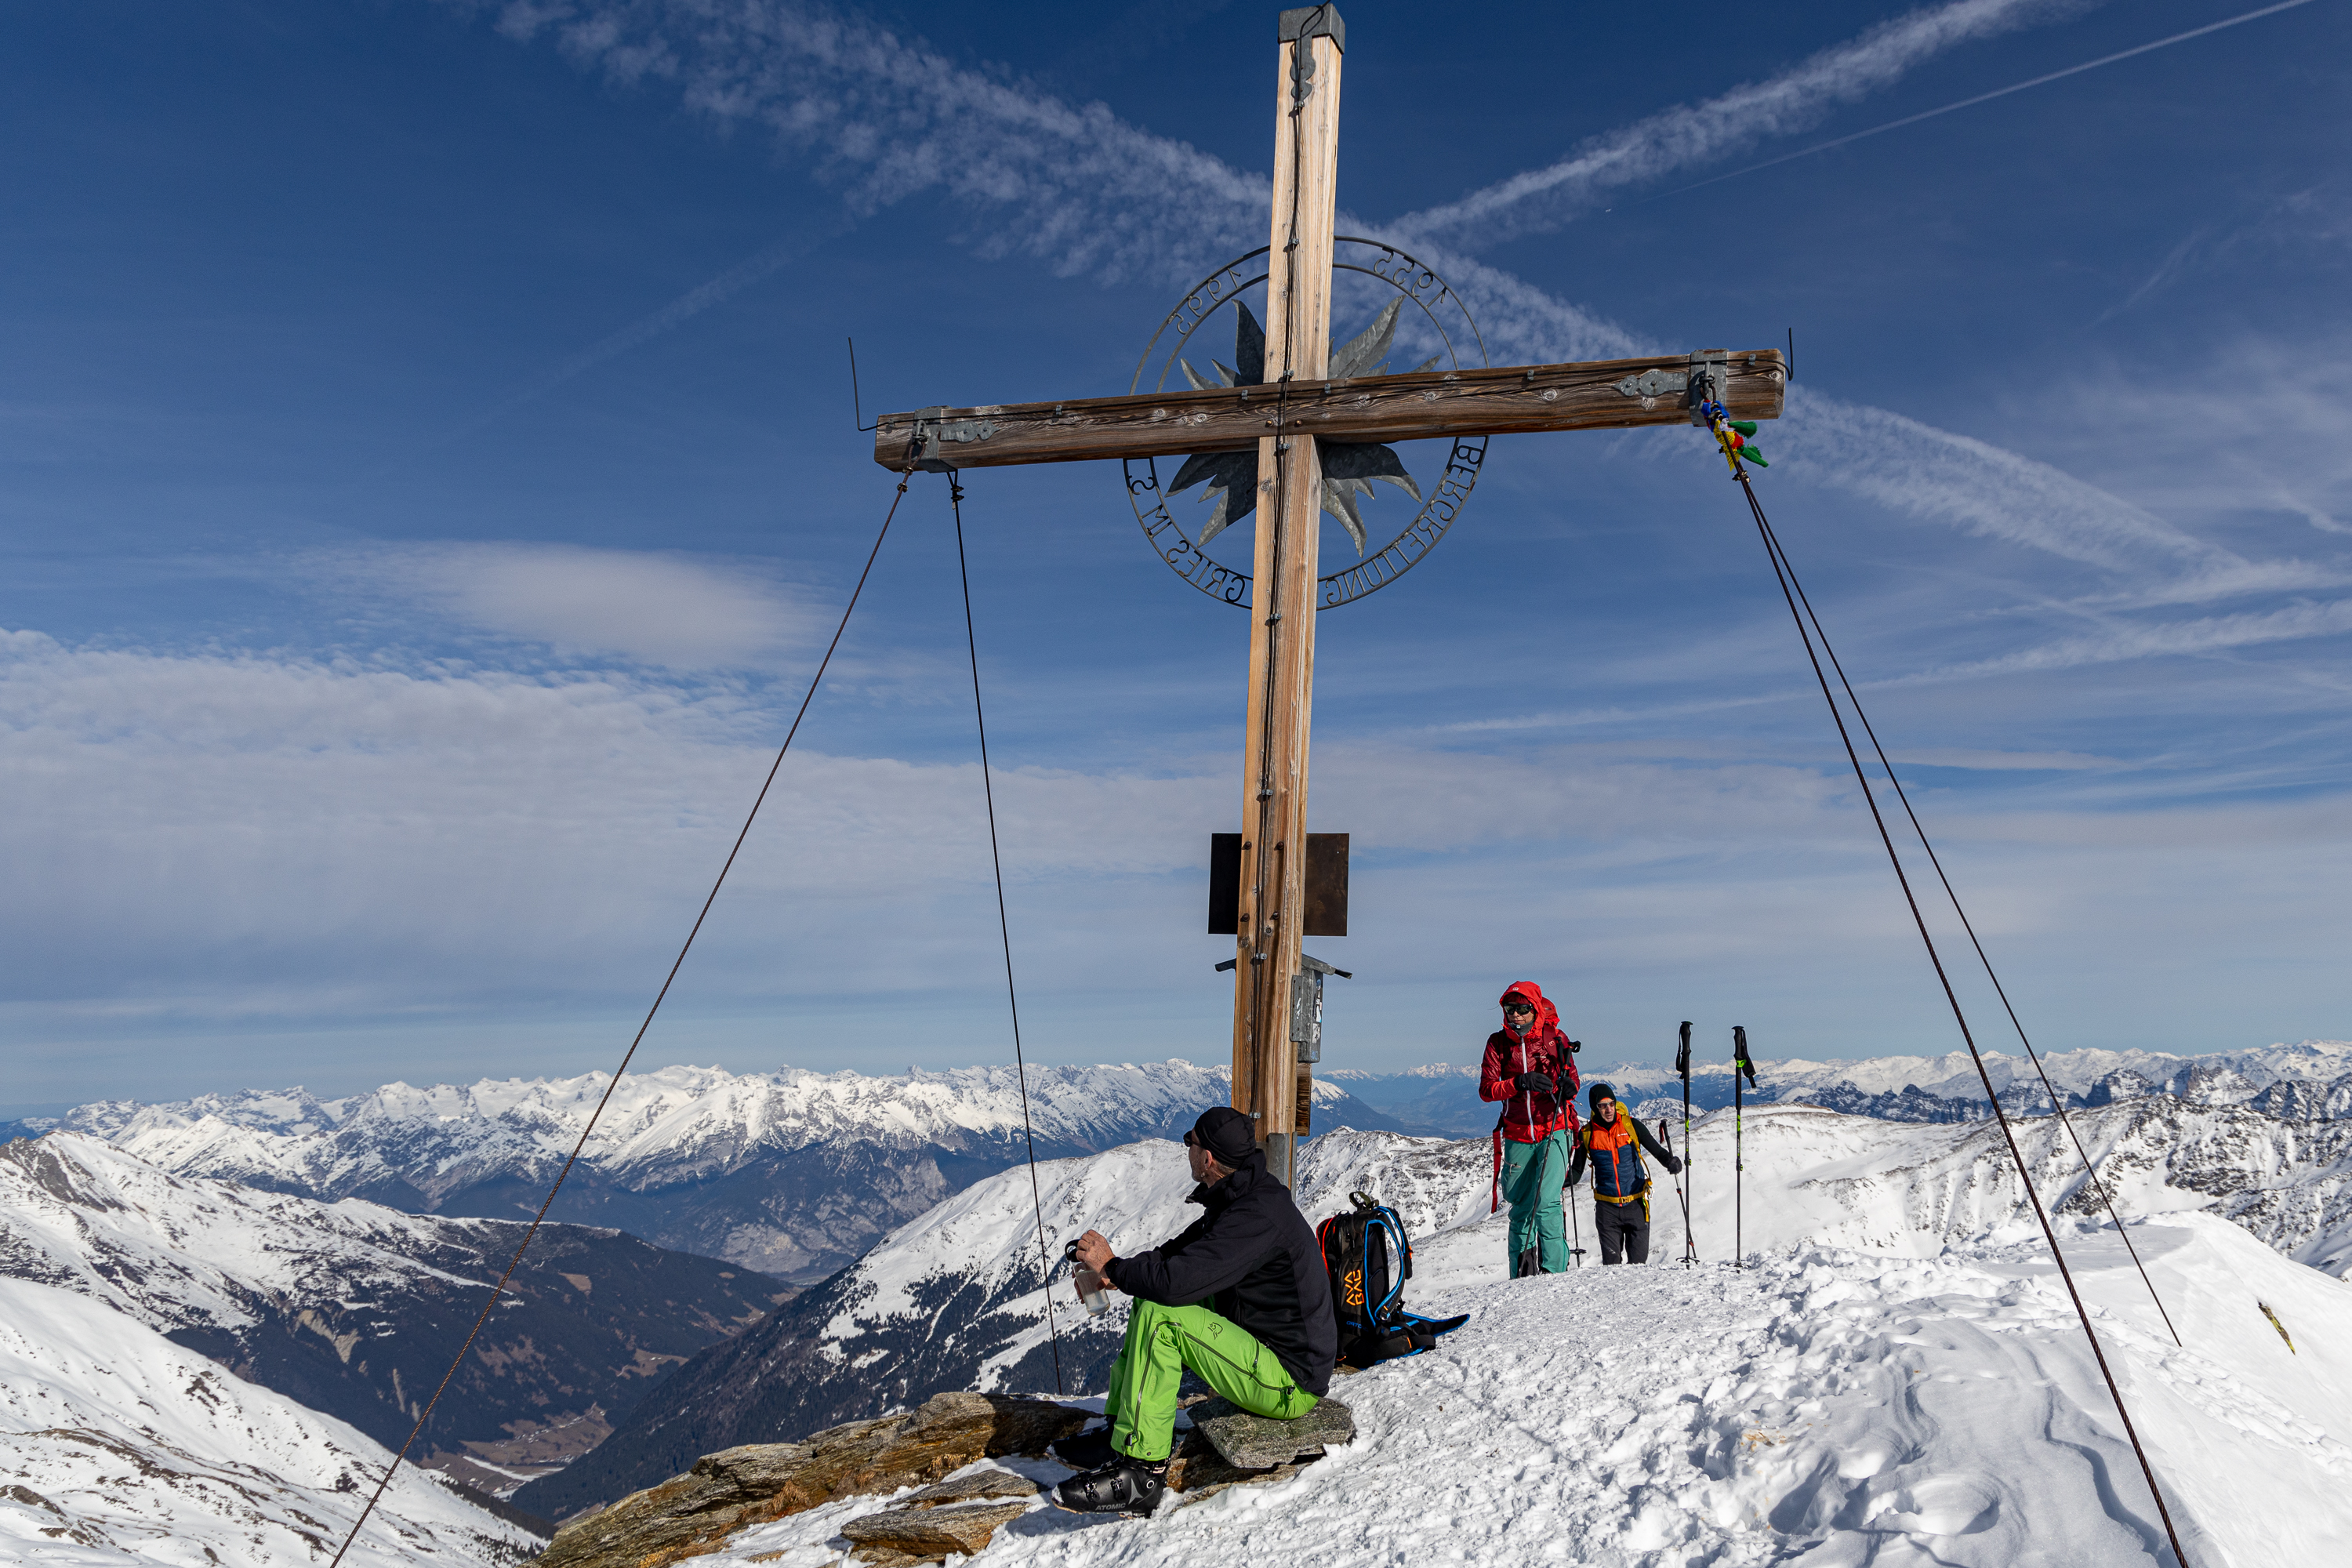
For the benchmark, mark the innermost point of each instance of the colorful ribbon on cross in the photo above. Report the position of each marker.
(1734, 435)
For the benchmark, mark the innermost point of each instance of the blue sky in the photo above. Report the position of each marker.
(430, 478)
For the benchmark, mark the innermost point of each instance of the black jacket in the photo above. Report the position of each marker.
(1253, 1259)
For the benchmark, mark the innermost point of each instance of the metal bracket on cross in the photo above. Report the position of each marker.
(1710, 382)
(934, 433)
(1306, 1004)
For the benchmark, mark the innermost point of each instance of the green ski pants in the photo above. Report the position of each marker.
(1533, 1174)
(1161, 1341)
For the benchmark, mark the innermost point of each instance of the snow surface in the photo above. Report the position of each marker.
(1897, 1378)
(122, 1447)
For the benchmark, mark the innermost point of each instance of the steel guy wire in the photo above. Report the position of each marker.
(1004, 929)
(2058, 1105)
(1959, 1016)
(498, 1291)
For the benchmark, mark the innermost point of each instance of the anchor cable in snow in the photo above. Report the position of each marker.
(1004, 929)
(2025, 1177)
(2057, 1104)
(498, 1291)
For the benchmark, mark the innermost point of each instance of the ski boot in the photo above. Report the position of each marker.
(1087, 1450)
(1123, 1486)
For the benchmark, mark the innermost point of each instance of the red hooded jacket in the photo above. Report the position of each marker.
(1528, 1117)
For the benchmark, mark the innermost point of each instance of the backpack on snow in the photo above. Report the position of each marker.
(1369, 1258)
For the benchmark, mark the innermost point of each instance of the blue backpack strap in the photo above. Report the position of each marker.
(1405, 1242)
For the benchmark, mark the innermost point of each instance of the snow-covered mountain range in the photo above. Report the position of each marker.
(119, 1447)
(354, 1310)
(2306, 1081)
(793, 1173)
(952, 1300)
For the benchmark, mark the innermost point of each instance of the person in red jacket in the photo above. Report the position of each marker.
(1530, 1069)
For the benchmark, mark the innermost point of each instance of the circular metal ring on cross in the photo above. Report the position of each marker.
(1417, 282)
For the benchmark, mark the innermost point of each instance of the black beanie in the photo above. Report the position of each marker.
(1227, 1135)
(1596, 1094)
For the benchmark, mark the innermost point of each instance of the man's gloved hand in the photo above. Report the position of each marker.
(1674, 1165)
(1540, 1082)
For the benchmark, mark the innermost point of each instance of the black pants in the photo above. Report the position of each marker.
(1624, 1234)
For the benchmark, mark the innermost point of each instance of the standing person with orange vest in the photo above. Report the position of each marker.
(1528, 1067)
(1612, 1143)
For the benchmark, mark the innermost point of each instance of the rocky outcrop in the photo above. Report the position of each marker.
(1912, 1104)
(1250, 1442)
(689, 1515)
(898, 1536)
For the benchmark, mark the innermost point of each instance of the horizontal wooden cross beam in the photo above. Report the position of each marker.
(1600, 395)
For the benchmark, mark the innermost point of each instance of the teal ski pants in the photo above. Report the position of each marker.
(1161, 1341)
(1533, 1174)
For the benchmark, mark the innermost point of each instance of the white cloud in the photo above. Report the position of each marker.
(263, 843)
(2164, 639)
(1979, 760)
(672, 610)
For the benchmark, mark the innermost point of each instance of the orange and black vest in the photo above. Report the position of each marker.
(1619, 1175)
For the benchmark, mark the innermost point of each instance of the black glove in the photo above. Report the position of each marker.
(1674, 1165)
(1539, 1083)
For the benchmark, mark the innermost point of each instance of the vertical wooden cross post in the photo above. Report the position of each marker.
(1266, 1081)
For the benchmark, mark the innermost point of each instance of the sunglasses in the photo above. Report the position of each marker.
(1518, 1007)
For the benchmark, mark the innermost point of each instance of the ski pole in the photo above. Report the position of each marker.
(1683, 1066)
(1576, 1248)
(1680, 1197)
(1738, 1145)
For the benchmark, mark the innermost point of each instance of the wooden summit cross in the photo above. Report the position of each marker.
(1283, 418)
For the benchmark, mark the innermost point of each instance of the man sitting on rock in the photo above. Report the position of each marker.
(1240, 1296)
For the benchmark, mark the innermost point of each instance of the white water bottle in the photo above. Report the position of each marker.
(1095, 1301)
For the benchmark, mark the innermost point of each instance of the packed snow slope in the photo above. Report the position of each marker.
(792, 1173)
(1899, 1211)
(122, 1447)
(355, 1309)
(1828, 1407)
(1911, 1389)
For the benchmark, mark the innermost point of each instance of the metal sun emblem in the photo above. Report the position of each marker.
(1227, 482)
(1348, 467)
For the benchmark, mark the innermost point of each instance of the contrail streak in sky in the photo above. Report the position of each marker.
(687, 306)
(1987, 97)
(1690, 136)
